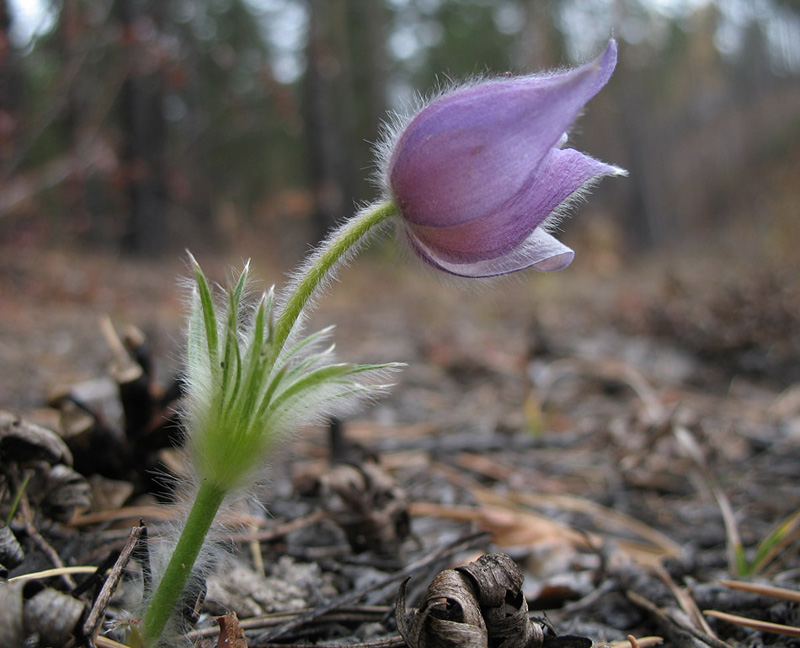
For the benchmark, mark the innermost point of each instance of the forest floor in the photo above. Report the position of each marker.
(629, 435)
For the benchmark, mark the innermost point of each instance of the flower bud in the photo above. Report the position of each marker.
(479, 175)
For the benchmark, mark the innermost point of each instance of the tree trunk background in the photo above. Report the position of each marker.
(144, 134)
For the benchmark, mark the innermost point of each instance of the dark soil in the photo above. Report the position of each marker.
(617, 433)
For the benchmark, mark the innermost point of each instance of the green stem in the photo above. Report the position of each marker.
(210, 496)
(18, 498)
(331, 253)
(205, 507)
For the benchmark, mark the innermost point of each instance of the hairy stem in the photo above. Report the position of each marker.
(332, 251)
(204, 509)
(210, 495)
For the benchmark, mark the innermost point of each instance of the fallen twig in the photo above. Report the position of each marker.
(755, 624)
(95, 616)
(357, 613)
(44, 546)
(765, 590)
(58, 571)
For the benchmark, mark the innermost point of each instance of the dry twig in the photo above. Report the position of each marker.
(755, 624)
(95, 616)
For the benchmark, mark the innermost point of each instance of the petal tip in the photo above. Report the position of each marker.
(609, 55)
(606, 62)
(556, 262)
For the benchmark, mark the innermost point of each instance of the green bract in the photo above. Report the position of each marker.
(243, 392)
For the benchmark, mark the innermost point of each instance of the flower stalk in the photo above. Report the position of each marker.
(338, 247)
(204, 510)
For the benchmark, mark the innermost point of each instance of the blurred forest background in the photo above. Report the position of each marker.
(146, 126)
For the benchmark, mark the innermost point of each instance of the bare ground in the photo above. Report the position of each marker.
(616, 431)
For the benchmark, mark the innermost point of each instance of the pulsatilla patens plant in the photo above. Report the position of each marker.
(475, 182)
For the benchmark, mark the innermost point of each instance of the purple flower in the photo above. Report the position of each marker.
(480, 176)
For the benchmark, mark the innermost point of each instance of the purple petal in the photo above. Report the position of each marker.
(539, 251)
(466, 153)
(563, 174)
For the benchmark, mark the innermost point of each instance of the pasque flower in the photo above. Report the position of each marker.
(475, 180)
(480, 175)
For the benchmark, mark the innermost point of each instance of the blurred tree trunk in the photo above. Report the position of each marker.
(345, 97)
(370, 65)
(542, 43)
(78, 220)
(194, 164)
(143, 129)
(372, 19)
(329, 113)
(10, 90)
